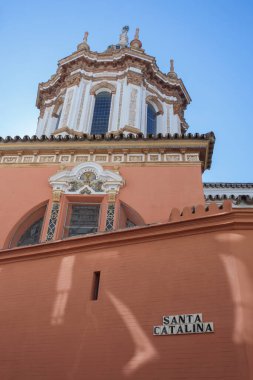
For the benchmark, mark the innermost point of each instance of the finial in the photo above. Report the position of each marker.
(136, 43)
(85, 37)
(172, 66)
(84, 45)
(123, 38)
(172, 73)
(137, 31)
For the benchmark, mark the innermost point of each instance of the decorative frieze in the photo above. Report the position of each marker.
(46, 158)
(27, 159)
(82, 158)
(65, 158)
(154, 157)
(191, 157)
(9, 159)
(173, 157)
(135, 157)
(117, 157)
(101, 158)
(109, 158)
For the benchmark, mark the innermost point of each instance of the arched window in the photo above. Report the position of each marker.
(32, 234)
(101, 113)
(27, 230)
(151, 120)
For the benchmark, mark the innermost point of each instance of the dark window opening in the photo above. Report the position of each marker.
(101, 113)
(95, 286)
(151, 120)
(32, 234)
(130, 224)
(58, 120)
(82, 219)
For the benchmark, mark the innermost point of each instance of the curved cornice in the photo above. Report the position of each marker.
(111, 62)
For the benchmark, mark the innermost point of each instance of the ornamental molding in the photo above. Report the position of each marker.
(153, 99)
(112, 62)
(103, 85)
(87, 178)
(57, 105)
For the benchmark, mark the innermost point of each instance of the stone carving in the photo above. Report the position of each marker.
(67, 108)
(134, 78)
(81, 158)
(132, 107)
(120, 104)
(192, 157)
(87, 178)
(154, 99)
(10, 159)
(123, 38)
(173, 157)
(103, 84)
(27, 159)
(46, 158)
(118, 158)
(135, 158)
(153, 157)
(101, 158)
(80, 108)
(64, 158)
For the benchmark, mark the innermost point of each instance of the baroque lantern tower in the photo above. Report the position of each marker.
(119, 90)
(115, 261)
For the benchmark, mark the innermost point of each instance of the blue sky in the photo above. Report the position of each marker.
(210, 41)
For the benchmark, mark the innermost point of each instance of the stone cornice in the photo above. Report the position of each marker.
(202, 145)
(113, 61)
(228, 221)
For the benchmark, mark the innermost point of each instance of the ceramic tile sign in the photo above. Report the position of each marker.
(183, 324)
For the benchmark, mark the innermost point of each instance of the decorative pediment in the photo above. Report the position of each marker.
(66, 131)
(87, 178)
(103, 85)
(154, 100)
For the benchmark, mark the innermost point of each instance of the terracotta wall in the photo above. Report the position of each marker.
(51, 329)
(151, 191)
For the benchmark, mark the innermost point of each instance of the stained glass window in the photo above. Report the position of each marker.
(32, 234)
(82, 219)
(101, 113)
(151, 120)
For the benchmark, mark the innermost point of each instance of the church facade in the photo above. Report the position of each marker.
(116, 260)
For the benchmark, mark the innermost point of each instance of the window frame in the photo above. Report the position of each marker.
(149, 104)
(99, 91)
(87, 203)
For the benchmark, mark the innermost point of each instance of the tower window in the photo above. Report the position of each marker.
(58, 120)
(151, 120)
(101, 113)
(81, 219)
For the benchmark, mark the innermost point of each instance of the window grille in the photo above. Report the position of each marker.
(82, 219)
